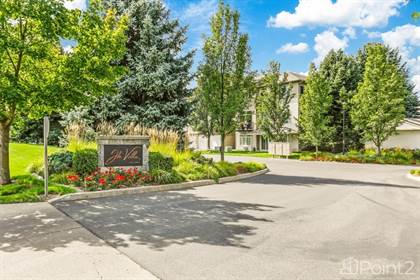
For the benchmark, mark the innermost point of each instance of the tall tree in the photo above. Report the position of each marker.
(314, 106)
(155, 90)
(273, 101)
(379, 104)
(411, 101)
(343, 75)
(37, 76)
(226, 68)
(201, 119)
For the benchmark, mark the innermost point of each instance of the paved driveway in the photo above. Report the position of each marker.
(303, 220)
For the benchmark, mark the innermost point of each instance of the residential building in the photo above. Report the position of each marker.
(248, 136)
(407, 137)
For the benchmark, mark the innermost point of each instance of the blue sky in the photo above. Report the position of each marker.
(297, 32)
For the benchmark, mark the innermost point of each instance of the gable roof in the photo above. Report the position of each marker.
(409, 124)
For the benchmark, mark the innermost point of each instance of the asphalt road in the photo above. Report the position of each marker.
(302, 220)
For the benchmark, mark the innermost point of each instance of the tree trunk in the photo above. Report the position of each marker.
(222, 148)
(4, 153)
(378, 149)
(316, 152)
(208, 142)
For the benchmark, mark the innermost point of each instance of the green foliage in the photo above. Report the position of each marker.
(85, 161)
(160, 161)
(27, 188)
(226, 169)
(388, 156)
(379, 104)
(60, 162)
(162, 177)
(154, 92)
(36, 76)
(342, 73)
(224, 76)
(415, 172)
(314, 105)
(393, 57)
(195, 171)
(273, 103)
(416, 15)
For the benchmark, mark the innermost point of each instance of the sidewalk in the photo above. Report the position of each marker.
(39, 242)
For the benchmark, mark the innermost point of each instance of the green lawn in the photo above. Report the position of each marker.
(21, 155)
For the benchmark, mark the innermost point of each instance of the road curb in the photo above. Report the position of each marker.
(148, 189)
(412, 177)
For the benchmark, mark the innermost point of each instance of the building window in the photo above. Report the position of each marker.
(301, 89)
(245, 140)
(245, 121)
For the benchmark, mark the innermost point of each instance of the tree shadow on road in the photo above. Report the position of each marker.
(305, 181)
(159, 220)
(40, 227)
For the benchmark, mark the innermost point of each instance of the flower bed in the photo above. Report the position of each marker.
(119, 178)
(110, 179)
(389, 156)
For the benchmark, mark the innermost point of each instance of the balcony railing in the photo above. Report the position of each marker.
(246, 126)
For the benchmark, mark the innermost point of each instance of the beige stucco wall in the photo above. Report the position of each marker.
(404, 139)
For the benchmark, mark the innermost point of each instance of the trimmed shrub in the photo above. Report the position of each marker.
(415, 172)
(85, 161)
(60, 162)
(195, 171)
(160, 161)
(161, 177)
(226, 169)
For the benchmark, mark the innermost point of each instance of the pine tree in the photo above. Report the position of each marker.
(314, 106)
(379, 104)
(273, 101)
(343, 75)
(155, 90)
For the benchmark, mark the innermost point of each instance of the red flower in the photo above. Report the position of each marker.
(119, 177)
(102, 181)
(73, 178)
(88, 178)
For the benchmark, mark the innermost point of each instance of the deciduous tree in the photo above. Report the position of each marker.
(37, 76)
(379, 104)
(314, 105)
(227, 68)
(273, 101)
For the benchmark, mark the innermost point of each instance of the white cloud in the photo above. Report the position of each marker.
(350, 32)
(198, 14)
(344, 13)
(290, 48)
(403, 37)
(326, 41)
(75, 4)
(372, 35)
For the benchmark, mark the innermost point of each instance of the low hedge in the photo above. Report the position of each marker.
(160, 161)
(85, 161)
(415, 172)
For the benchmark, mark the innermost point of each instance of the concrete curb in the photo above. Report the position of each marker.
(412, 177)
(242, 176)
(147, 189)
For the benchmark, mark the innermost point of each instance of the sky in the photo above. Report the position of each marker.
(298, 32)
